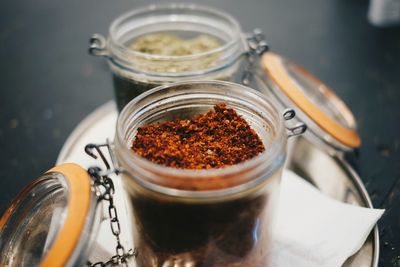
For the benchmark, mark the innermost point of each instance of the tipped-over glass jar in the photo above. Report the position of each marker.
(227, 220)
(160, 44)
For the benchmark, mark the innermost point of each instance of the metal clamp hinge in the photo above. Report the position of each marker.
(297, 129)
(256, 43)
(256, 46)
(90, 149)
(98, 45)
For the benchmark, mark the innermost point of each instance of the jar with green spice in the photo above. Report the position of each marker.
(160, 44)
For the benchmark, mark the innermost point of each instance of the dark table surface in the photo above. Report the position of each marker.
(49, 83)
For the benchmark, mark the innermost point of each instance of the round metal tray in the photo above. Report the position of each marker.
(332, 175)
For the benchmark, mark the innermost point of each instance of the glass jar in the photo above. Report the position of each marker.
(217, 217)
(135, 72)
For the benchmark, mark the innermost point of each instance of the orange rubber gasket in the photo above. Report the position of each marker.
(272, 64)
(77, 209)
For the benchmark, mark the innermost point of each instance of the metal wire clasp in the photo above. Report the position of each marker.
(98, 45)
(90, 149)
(256, 46)
(298, 128)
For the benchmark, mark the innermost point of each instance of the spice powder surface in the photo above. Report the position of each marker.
(218, 138)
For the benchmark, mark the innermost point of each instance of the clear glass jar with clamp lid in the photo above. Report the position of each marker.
(160, 44)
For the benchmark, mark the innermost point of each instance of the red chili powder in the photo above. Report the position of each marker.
(216, 139)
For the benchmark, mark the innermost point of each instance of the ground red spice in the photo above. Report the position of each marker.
(218, 138)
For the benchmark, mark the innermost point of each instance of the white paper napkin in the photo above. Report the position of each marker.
(315, 230)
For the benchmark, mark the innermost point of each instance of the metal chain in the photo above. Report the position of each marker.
(105, 190)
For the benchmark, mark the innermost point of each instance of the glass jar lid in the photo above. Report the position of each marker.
(43, 226)
(326, 115)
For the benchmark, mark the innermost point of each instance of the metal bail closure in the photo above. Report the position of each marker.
(98, 45)
(256, 46)
(111, 168)
(256, 42)
(298, 129)
(325, 113)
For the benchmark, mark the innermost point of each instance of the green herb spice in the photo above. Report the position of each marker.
(166, 44)
(172, 45)
(149, 71)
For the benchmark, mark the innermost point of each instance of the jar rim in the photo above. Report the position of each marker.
(174, 6)
(252, 166)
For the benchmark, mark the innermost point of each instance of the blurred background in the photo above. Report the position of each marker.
(49, 83)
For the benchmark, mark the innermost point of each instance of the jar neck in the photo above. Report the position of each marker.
(190, 99)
